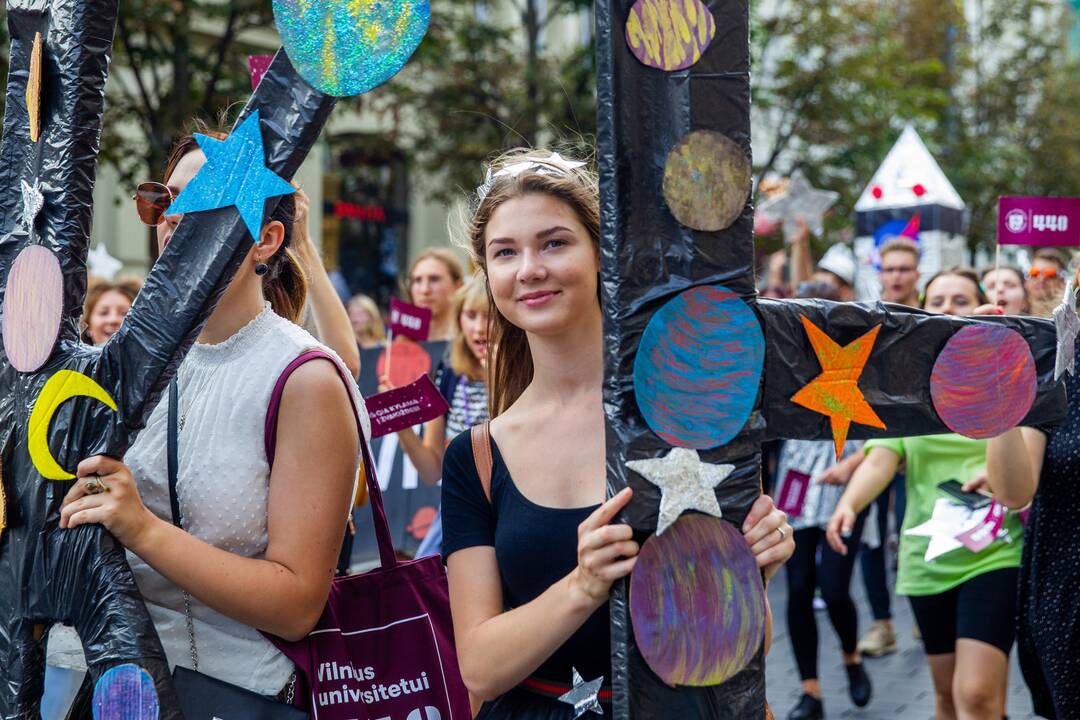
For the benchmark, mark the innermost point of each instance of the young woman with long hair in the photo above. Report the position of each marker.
(434, 277)
(462, 381)
(259, 546)
(530, 569)
(964, 602)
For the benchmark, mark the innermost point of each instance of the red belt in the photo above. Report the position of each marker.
(550, 689)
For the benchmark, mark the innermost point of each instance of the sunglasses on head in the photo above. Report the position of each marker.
(1048, 273)
(152, 199)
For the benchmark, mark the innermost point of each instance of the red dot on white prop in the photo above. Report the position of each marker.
(877, 192)
(918, 189)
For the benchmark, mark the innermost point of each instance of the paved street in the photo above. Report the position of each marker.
(902, 687)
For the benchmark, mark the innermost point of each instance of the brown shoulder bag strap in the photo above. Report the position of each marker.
(481, 452)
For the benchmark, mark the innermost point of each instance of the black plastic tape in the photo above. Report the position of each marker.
(81, 576)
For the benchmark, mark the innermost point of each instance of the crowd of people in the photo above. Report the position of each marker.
(525, 364)
(969, 607)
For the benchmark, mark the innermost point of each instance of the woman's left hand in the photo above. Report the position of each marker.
(119, 508)
(769, 536)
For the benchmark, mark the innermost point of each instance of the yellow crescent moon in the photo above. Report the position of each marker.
(3, 504)
(60, 388)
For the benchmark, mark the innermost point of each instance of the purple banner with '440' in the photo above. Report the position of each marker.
(1039, 221)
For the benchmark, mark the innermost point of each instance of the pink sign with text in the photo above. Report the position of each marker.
(409, 320)
(1041, 221)
(405, 406)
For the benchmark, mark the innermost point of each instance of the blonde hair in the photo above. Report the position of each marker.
(510, 367)
(472, 295)
(374, 331)
(443, 255)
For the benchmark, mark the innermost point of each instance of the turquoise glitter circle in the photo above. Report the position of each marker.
(347, 47)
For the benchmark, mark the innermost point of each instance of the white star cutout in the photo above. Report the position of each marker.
(583, 695)
(685, 482)
(946, 522)
(802, 200)
(102, 264)
(1067, 325)
(33, 201)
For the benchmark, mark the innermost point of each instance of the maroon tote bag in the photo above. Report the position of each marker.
(383, 648)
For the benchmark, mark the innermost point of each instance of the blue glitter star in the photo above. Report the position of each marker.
(235, 174)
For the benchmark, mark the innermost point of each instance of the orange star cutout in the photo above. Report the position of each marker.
(835, 392)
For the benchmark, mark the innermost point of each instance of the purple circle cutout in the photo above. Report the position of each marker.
(697, 603)
(33, 307)
(983, 382)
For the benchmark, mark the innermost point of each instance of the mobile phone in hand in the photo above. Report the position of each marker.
(972, 500)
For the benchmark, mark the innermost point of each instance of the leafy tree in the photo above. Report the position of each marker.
(174, 61)
(486, 79)
(836, 80)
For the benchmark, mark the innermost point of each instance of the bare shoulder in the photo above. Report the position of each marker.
(316, 387)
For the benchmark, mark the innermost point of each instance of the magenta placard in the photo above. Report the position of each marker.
(1039, 221)
(409, 320)
(405, 407)
(258, 65)
(793, 493)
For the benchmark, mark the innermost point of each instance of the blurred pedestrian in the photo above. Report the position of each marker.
(367, 322)
(1046, 280)
(1004, 286)
(964, 601)
(107, 304)
(433, 278)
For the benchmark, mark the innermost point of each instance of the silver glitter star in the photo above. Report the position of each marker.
(33, 201)
(685, 483)
(583, 696)
(1068, 327)
(802, 200)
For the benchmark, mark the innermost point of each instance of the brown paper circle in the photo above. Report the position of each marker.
(706, 181)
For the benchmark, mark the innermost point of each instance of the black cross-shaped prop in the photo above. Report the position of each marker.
(648, 257)
(81, 577)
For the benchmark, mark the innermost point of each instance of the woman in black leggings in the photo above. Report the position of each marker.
(811, 481)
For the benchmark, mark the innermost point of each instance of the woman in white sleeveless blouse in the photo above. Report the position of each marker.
(259, 547)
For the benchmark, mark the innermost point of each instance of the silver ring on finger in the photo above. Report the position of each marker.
(783, 534)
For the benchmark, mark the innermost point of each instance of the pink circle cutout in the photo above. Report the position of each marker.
(33, 307)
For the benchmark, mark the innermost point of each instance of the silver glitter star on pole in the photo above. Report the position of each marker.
(802, 200)
(1067, 325)
(583, 696)
(685, 483)
(33, 201)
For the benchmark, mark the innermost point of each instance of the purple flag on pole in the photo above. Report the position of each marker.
(1039, 221)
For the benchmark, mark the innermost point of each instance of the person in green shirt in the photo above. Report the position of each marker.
(963, 594)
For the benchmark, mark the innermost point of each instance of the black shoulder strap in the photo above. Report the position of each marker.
(172, 452)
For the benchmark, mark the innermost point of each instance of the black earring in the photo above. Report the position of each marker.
(261, 268)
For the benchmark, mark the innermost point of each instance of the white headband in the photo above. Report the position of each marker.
(555, 165)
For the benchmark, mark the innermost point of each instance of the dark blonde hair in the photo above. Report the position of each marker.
(285, 285)
(443, 255)
(958, 271)
(510, 366)
(472, 295)
(900, 244)
(375, 330)
(128, 287)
